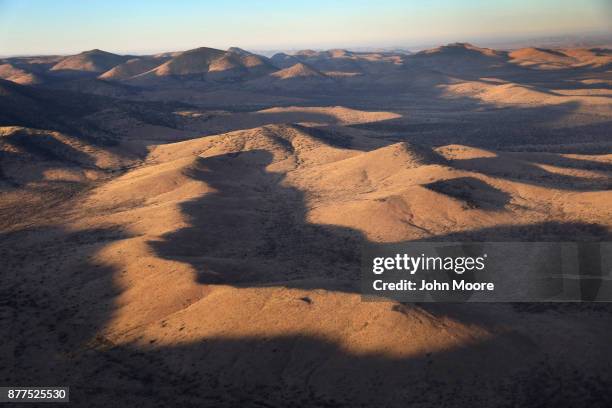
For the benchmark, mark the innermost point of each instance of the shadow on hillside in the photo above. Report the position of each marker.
(27, 157)
(472, 122)
(253, 231)
(56, 309)
(528, 170)
(563, 161)
(524, 138)
(54, 299)
(474, 192)
(47, 147)
(223, 123)
(541, 232)
(306, 371)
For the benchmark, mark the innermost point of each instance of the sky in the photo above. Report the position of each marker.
(137, 26)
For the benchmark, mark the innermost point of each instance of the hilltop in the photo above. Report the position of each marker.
(93, 61)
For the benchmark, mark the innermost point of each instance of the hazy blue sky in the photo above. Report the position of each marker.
(61, 26)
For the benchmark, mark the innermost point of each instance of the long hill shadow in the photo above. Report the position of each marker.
(474, 192)
(253, 231)
(528, 170)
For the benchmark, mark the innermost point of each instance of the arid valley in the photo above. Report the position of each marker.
(185, 228)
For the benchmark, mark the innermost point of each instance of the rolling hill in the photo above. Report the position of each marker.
(18, 75)
(88, 62)
(132, 67)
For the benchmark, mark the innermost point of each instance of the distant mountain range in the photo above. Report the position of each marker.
(98, 71)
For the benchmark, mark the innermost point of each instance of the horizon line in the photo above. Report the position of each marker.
(606, 38)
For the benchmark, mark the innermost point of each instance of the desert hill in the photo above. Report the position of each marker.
(209, 63)
(465, 57)
(297, 78)
(240, 51)
(46, 109)
(253, 61)
(540, 57)
(132, 67)
(283, 60)
(461, 50)
(33, 157)
(93, 61)
(299, 70)
(12, 73)
(36, 63)
(233, 66)
(36, 145)
(190, 62)
(341, 61)
(43, 169)
(560, 59)
(458, 58)
(27, 70)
